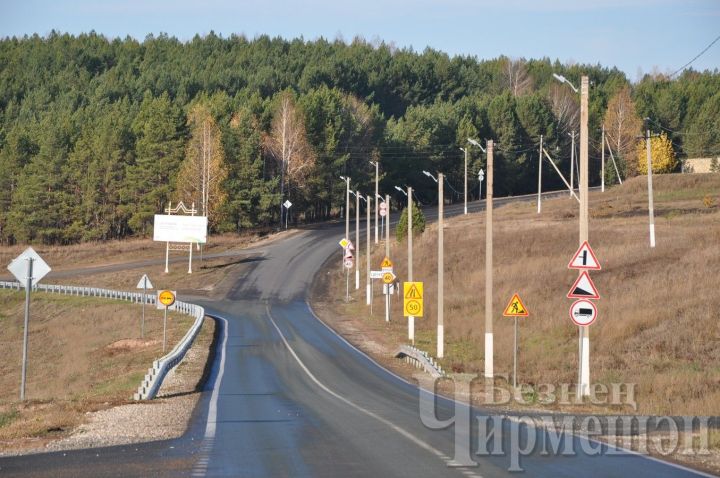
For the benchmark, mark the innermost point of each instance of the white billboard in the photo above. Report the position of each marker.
(170, 228)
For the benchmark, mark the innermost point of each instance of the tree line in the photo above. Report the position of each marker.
(97, 135)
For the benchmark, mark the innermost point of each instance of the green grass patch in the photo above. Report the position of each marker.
(6, 418)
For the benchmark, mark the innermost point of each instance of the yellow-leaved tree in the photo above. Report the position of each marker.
(203, 172)
(663, 155)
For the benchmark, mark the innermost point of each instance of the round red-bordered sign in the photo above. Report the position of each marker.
(583, 312)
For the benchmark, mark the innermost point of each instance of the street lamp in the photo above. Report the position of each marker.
(401, 190)
(562, 79)
(347, 205)
(584, 332)
(428, 174)
(474, 143)
(440, 266)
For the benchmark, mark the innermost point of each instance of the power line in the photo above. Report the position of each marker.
(696, 57)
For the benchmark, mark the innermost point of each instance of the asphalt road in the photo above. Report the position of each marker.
(288, 397)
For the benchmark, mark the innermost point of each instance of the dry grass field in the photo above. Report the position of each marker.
(657, 320)
(84, 354)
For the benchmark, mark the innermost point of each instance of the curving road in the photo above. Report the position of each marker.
(289, 397)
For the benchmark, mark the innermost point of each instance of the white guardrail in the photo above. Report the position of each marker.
(420, 359)
(150, 385)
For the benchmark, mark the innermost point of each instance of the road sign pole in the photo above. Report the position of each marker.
(28, 288)
(411, 319)
(368, 282)
(387, 254)
(515, 347)
(489, 263)
(441, 270)
(584, 225)
(167, 256)
(142, 324)
(357, 239)
(387, 228)
(165, 329)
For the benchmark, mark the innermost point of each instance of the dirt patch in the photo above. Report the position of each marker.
(131, 344)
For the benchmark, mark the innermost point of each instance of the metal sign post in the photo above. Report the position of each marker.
(144, 284)
(287, 205)
(515, 308)
(165, 299)
(28, 268)
(28, 287)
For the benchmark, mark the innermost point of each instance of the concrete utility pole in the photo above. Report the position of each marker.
(465, 150)
(387, 254)
(651, 211)
(376, 164)
(347, 207)
(489, 263)
(357, 239)
(387, 227)
(584, 226)
(441, 270)
(572, 162)
(368, 282)
(539, 201)
(411, 319)
(602, 161)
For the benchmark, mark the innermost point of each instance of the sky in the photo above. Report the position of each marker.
(636, 36)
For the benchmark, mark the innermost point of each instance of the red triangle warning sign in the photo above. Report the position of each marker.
(584, 258)
(583, 288)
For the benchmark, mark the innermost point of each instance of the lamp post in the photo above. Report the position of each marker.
(376, 164)
(584, 332)
(368, 284)
(358, 197)
(347, 234)
(441, 267)
(474, 142)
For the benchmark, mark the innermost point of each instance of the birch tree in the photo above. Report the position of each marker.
(623, 126)
(203, 171)
(287, 143)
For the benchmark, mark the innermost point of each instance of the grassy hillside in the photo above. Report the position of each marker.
(657, 324)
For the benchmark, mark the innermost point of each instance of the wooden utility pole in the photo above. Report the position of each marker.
(540, 154)
(651, 211)
(411, 319)
(489, 263)
(584, 388)
(441, 270)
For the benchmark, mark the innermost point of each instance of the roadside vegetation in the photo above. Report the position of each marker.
(656, 327)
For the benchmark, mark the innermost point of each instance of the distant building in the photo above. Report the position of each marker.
(700, 165)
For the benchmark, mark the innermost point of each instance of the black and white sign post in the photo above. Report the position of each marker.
(28, 268)
(583, 312)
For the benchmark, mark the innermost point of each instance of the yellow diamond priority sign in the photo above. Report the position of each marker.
(413, 299)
